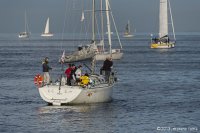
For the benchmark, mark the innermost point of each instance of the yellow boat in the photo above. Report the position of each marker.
(162, 45)
(163, 40)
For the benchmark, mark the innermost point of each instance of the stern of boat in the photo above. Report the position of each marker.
(57, 95)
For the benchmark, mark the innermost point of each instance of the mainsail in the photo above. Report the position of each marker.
(163, 29)
(46, 31)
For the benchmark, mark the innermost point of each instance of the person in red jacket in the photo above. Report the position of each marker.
(68, 74)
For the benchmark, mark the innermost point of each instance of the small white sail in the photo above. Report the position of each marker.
(62, 59)
(82, 17)
(127, 33)
(46, 31)
(47, 27)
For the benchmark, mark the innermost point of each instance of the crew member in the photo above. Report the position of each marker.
(46, 69)
(107, 65)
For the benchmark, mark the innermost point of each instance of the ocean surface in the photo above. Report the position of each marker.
(158, 90)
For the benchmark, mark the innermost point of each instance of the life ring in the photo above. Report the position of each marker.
(38, 79)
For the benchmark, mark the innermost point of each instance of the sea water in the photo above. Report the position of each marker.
(158, 90)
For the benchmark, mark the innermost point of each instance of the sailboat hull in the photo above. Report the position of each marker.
(46, 35)
(56, 94)
(79, 57)
(98, 90)
(128, 36)
(162, 45)
(24, 35)
(116, 55)
(83, 53)
(100, 94)
(103, 56)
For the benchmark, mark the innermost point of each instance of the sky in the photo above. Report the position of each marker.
(143, 15)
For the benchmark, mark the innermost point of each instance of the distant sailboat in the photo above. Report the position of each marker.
(46, 31)
(102, 54)
(84, 52)
(128, 31)
(24, 34)
(163, 40)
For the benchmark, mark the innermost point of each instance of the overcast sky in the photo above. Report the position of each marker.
(142, 13)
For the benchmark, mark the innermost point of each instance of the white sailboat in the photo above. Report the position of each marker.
(57, 94)
(163, 41)
(95, 91)
(84, 52)
(102, 54)
(46, 31)
(26, 33)
(127, 33)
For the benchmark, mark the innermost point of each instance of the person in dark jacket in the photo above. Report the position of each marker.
(107, 65)
(46, 69)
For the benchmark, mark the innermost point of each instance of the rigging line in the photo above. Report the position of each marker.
(87, 23)
(98, 31)
(64, 24)
(102, 24)
(75, 24)
(86, 30)
(83, 24)
(88, 27)
(97, 26)
(82, 21)
(72, 18)
(115, 25)
(171, 19)
(62, 38)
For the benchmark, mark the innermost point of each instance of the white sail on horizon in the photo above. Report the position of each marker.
(82, 17)
(46, 31)
(26, 33)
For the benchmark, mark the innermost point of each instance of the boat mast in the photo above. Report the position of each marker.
(102, 23)
(108, 25)
(93, 34)
(129, 30)
(25, 21)
(170, 10)
(115, 26)
(93, 21)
